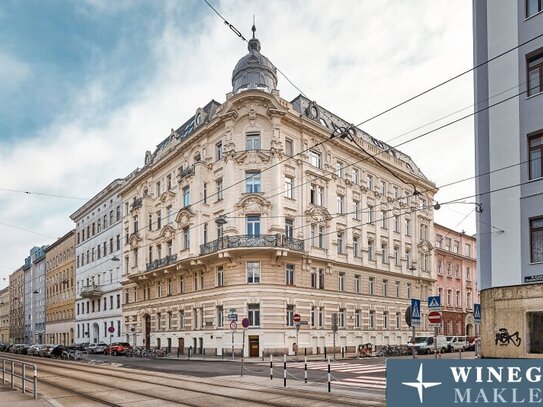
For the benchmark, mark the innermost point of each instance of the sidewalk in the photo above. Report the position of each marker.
(9, 397)
(276, 359)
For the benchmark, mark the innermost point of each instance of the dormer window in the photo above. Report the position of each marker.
(252, 141)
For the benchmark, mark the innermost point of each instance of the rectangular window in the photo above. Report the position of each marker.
(290, 315)
(397, 289)
(220, 276)
(289, 274)
(204, 192)
(253, 272)
(159, 219)
(356, 176)
(158, 189)
(408, 227)
(254, 315)
(340, 204)
(252, 181)
(396, 192)
(341, 242)
(535, 331)
(535, 74)
(253, 225)
(321, 279)
(186, 196)
(356, 247)
(385, 319)
(341, 281)
(341, 318)
(384, 253)
(370, 250)
(321, 317)
(384, 219)
(397, 256)
(371, 214)
(289, 187)
(289, 228)
(186, 238)
(385, 288)
(339, 169)
(357, 319)
(535, 144)
(314, 280)
(398, 320)
(316, 195)
(220, 317)
(536, 240)
(289, 148)
(408, 290)
(357, 284)
(315, 159)
(369, 182)
(383, 188)
(372, 320)
(356, 210)
(181, 320)
(252, 142)
(533, 7)
(219, 188)
(218, 151)
(371, 287)
(181, 285)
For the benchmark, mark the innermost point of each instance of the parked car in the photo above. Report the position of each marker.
(117, 348)
(471, 341)
(34, 350)
(4, 347)
(46, 350)
(423, 344)
(458, 343)
(96, 347)
(19, 348)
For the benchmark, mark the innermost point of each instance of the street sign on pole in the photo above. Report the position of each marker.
(233, 325)
(296, 318)
(434, 302)
(434, 318)
(232, 317)
(245, 323)
(415, 312)
(408, 315)
(477, 313)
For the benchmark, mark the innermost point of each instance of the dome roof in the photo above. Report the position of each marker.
(254, 70)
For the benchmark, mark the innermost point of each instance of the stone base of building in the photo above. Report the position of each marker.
(263, 343)
(512, 322)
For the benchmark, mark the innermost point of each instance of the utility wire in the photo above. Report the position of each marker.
(41, 194)
(26, 230)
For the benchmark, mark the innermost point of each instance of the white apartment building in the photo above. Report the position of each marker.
(98, 267)
(227, 217)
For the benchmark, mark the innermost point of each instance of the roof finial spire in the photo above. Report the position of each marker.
(253, 29)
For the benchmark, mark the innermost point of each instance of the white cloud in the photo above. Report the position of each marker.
(355, 58)
(13, 72)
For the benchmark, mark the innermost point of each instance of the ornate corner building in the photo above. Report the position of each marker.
(251, 208)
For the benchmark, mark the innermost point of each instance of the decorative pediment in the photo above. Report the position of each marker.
(253, 157)
(134, 239)
(167, 232)
(183, 216)
(317, 214)
(253, 203)
(167, 196)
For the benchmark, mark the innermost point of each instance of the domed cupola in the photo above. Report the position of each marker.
(254, 70)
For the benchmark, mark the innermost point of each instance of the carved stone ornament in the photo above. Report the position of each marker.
(317, 214)
(134, 239)
(148, 158)
(251, 114)
(253, 203)
(425, 246)
(183, 216)
(229, 150)
(252, 157)
(167, 232)
(167, 196)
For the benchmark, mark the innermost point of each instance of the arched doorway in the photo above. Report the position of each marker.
(95, 333)
(469, 330)
(147, 330)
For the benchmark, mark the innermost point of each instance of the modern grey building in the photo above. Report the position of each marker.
(34, 294)
(509, 146)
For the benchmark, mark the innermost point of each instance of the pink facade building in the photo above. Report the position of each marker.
(456, 266)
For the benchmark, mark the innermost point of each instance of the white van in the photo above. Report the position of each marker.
(426, 344)
(458, 343)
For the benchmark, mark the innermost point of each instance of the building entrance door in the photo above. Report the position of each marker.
(201, 348)
(181, 345)
(95, 333)
(147, 331)
(253, 346)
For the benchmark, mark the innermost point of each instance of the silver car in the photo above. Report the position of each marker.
(34, 350)
(96, 348)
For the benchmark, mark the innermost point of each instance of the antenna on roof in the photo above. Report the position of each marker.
(253, 29)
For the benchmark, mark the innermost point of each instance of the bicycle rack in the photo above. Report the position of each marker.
(13, 374)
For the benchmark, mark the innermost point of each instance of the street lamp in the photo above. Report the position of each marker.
(115, 258)
(221, 220)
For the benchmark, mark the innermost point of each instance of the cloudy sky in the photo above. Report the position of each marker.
(86, 87)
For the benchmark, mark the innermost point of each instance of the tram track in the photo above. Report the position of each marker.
(183, 384)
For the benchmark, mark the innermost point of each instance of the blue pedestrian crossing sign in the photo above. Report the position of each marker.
(477, 313)
(415, 312)
(434, 302)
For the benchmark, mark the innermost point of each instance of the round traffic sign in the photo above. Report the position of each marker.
(245, 323)
(434, 317)
(111, 329)
(296, 318)
(233, 325)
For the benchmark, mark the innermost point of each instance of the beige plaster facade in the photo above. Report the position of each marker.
(512, 322)
(16, 313)
(4, 315)
(313, 236)
(60, 293)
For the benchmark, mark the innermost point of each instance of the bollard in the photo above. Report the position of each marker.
(271, 367)
(325, 353)
(329, 377)
(305, 351)
(23, 379)
(460, 354)
(305, 369)
(35, 383)
(11, 375)
(343, 352)
(284, 370)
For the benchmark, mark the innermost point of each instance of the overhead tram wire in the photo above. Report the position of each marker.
(26, 230)
(432, 88)
(41, 194)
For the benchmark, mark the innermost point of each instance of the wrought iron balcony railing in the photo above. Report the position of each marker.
(237, 241)
(185, 172)
(165, 261)
(137, 203)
